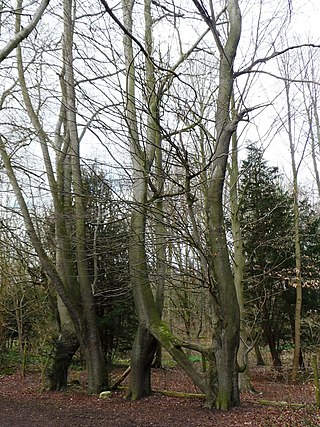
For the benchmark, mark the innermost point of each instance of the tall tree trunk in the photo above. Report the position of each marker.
(67, 342)
(297, 245)
(225, 341)
(221, 385)
(90, 339)
(155, 153)
(60, 189)
(142, 159)
(238, 266)
(160, 248)
(145, 344)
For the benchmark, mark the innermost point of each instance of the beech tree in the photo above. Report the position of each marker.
(221, 384)
(221, 381)
(68, 275)
(169, 103)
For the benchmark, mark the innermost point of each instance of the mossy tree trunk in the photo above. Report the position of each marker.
(220, 383)
(145, 345)
(225, 341)
(142, 355)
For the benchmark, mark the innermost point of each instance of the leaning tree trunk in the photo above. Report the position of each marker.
(67, 342)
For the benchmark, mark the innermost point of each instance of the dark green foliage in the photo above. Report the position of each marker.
(267, 223)
(107, 244)
(310, 249)
(266, 217)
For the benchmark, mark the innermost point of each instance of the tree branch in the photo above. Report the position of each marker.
(274, 55)
(23, 34)
(124, 29)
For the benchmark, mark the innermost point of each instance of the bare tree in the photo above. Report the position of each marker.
(69, 276)
(24, 32)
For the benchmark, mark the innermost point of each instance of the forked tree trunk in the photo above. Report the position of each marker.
(145, 345)
(227, 323)
(221, 385)
(64, 349)
(79, 303)
(275, 355)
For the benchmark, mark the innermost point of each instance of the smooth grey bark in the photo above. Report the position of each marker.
(142, 355)
(238, 265)
(67, 342)
(90, 339)
(72, 284)
(57, 373)
(160, 248)
(297, 244)
(141, 358)
(221, 382)
(23, 33)
(142, 159)
(154, 139)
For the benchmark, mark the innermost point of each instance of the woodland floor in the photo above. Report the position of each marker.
(23, 404)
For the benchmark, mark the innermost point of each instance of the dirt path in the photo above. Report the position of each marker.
(22, 404)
